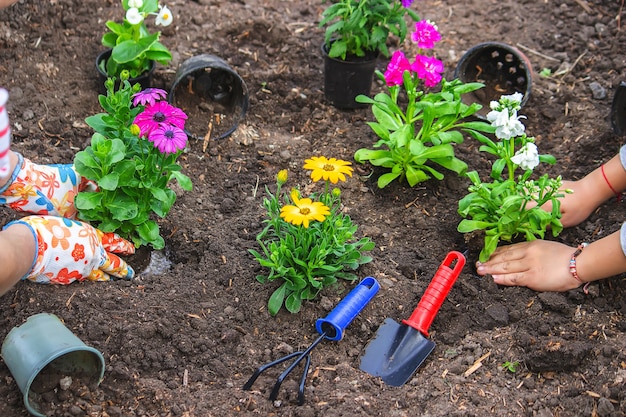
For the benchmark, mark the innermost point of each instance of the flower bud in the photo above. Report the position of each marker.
(282, 176)
(336, 192)
(135, 129)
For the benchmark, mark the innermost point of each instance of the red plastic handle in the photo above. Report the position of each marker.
(436, 293)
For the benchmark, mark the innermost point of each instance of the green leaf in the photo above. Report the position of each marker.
(276, 300)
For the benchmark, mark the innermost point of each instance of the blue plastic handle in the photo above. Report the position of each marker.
(341, 316)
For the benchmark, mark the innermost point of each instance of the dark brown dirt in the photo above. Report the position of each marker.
(183, 341)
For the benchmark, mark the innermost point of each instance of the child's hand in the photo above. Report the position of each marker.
(68, 251)
(43, 189)
(540, 265)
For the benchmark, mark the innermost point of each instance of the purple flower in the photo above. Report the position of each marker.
(407, 3)
(149, 96)
(168, 138)
(397, 65)
(160, 113)
(426, 34)
(428, 69)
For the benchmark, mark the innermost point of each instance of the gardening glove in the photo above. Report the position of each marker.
(69, 250)
(44, 189)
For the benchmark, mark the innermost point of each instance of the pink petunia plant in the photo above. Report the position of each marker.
(133, 159)
(420, 117)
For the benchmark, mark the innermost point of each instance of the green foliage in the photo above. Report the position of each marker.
(360, 27)
(306, 260)
(419, 139)
(132, 176)
(510, 206)
(510, 366)
(134, 47)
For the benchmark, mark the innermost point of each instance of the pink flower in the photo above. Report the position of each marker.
(426, 34)
(407, 3)
(148, 96)
(168, 138)
(397, 65)
(428, 69)
(160, 113)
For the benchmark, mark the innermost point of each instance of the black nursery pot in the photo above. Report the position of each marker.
(618, 110)
(344, 80)
(214, 97)
(502, 68)
(145, 80)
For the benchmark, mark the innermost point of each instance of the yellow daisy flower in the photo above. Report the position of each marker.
(328, 169)
(303, 211)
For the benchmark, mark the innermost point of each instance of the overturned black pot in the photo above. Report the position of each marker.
(503, 69)
(618, 110)
(145, 79)
(214, 97)
(344, 80)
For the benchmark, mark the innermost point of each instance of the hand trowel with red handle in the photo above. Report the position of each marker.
(398, 350)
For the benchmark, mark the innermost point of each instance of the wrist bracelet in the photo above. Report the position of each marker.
(618, 196)
(572, 266)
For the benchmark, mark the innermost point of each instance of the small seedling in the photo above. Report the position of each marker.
(510, 366)
(546, 72)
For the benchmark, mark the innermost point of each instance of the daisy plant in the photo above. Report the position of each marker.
(132, 159)
(308, 242)
(134, 48)
(417, 126)
(509, 205)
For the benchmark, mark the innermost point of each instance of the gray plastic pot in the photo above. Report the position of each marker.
(212, 94)
(503, 69)
(43, 343)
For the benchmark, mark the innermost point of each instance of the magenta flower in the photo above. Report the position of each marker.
(149, 96)
(428, 69)
(407, 3)
(168, 138)
(397, 65)
(160, 113)
(426, 34)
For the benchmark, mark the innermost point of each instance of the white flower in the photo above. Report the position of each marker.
(164, 17)
(135, 3)
(527, 157)
(133, 16)
(515, 97)
(507, 125)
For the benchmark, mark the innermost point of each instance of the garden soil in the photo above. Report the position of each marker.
(184, 336)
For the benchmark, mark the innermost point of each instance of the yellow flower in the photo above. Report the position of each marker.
(303, 211)
(328, 169)
(282, 176)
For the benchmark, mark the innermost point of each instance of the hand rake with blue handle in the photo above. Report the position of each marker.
(331, 328)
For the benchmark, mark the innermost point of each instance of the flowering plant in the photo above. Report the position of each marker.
(359, 27)
(418, 127)
(510, 206)
(134, 47)
(132, 159)
(308, 242)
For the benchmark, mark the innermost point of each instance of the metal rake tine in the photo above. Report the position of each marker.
(263, 368)
(304, 355)
(281, 378)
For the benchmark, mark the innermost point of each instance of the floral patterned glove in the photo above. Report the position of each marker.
(43, 189)
(69, 250)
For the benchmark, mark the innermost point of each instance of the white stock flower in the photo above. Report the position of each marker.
(133, 16)
(164, 17)
(527, 157)
(507, 125)
(135, 3)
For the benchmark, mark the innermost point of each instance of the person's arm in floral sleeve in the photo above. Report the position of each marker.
(62, 251)
(545, 265)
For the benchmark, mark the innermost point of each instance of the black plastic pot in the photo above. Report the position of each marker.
(145, 80)
(618, 110)
(344, 80)
(502, 68)
(214, 97)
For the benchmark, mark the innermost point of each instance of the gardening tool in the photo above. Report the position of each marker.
(331, 328)
(398, 350)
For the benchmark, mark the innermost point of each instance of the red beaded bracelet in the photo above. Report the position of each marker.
(572, 266)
